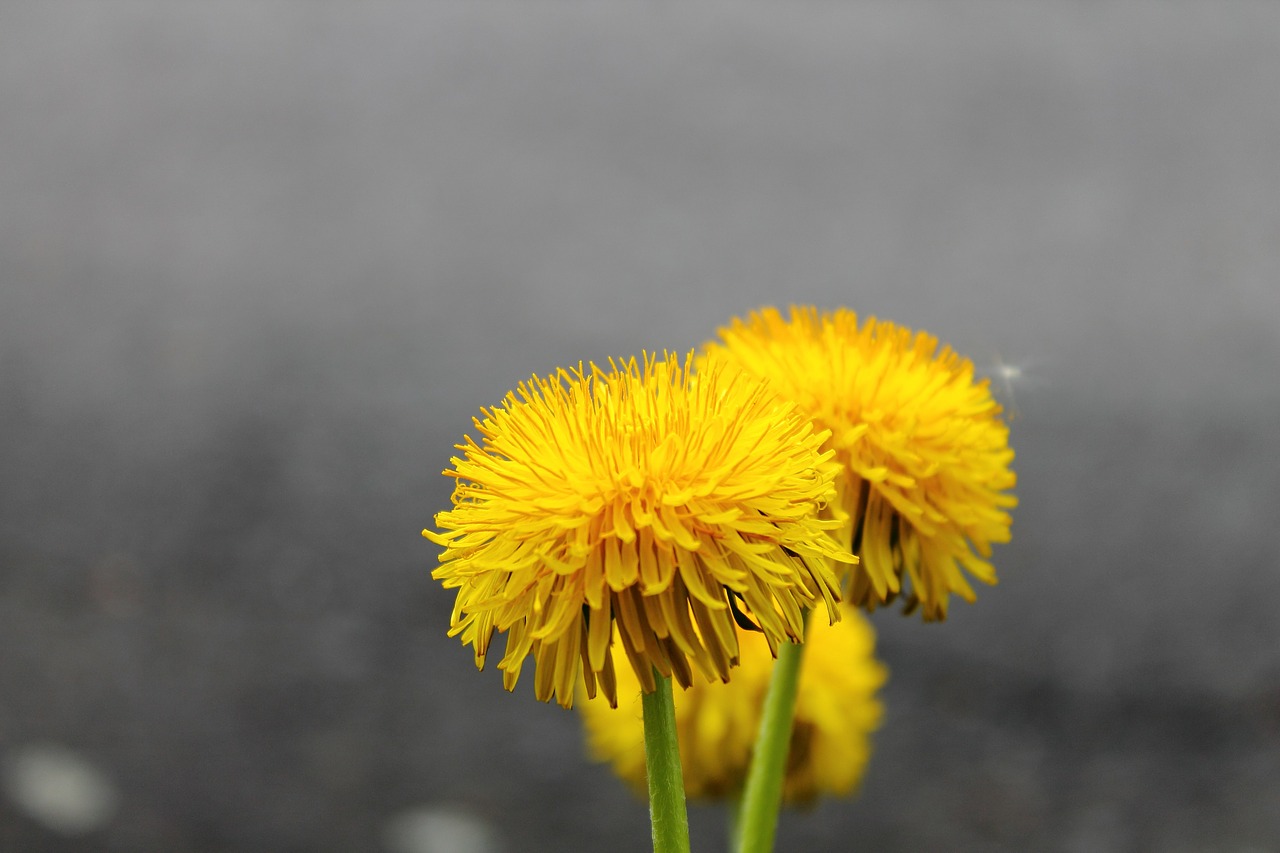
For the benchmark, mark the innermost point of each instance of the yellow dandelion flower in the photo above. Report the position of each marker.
(924, 451)
(836, 712)
(667, 504)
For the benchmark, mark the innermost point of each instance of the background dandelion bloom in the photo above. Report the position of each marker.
(643, 497)
(925, 453)
(836, 712)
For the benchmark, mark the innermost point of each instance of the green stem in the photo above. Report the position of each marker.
(757, 822)
(667, 812)
(735, 818)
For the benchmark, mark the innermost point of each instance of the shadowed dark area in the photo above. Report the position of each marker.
(261, 264)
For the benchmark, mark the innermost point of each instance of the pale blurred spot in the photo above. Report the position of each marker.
(1008, 378)
(439, 830)
(58, 789)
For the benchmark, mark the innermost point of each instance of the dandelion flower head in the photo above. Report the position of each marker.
(669, 505)
(924, 451)
(836, 712)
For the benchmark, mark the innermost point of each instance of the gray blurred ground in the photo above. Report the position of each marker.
(260, 264)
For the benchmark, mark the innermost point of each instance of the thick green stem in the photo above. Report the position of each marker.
(762, 797)
(667, 812)
(735, 818)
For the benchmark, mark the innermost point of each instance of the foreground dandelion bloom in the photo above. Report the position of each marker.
(669, 505)
(836, 712)
(924, 451)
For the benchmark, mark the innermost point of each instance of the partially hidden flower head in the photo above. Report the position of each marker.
(669, 504)
(924, 451)
(836, 713)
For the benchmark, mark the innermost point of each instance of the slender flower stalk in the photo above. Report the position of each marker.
(762, 796)
(668, 816)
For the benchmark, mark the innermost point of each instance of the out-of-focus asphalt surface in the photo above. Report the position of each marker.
(261, 263)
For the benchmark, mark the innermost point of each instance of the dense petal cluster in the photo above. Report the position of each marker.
(836, 712)
(668, 504)
(925, 453)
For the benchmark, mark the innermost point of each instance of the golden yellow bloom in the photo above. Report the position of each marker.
(836, 712)
(925, 453)
(666, 503)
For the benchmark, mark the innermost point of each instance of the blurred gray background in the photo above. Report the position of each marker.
(261, 263)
